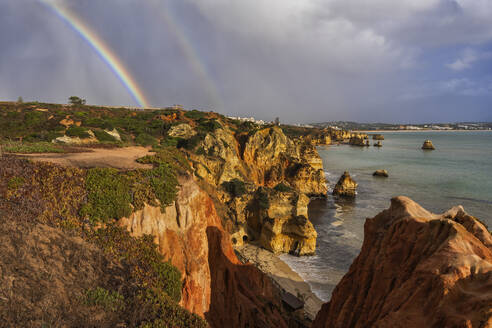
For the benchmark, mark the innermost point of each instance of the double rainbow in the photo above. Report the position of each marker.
(101, 48)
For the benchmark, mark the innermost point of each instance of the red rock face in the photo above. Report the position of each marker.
(416, 269)
(215, 284)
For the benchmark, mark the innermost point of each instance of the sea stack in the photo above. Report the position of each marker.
(381, 173)
(428, 145)
(346, 186)
(377, 137)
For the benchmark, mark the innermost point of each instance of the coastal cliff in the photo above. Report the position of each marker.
(216, 284)
(416, 269)
(264, 180)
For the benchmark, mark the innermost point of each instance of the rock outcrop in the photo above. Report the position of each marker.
(181, 131)
(428, 145)
(377, 137)
(346, 186)
(76, 140)
(287, 171)
(381, 173)
(284, 226)
(216, 284)
(378, 144)
(416, 269)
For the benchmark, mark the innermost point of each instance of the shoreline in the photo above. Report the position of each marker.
(404, 131)
(282, 274)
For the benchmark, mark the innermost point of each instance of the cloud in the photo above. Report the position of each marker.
(305, 60)
(468, 57)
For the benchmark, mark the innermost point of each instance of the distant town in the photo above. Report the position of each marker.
(354, 126)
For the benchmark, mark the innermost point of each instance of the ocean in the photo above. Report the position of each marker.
(458, 172)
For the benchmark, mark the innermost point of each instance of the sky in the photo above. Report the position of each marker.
(406, 61)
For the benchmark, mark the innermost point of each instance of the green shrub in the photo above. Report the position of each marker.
(163, 313)
(191, 143)
(169, 142)
(77, 131)
(148, 266)
(109, 300)
(282, 188)
(103, 136)
(164, 183)
(30, 148)
(235, 187)
(262, 198)
(146, 139)
(206, 126)
(15, 183)
(195, 114)
(108, 195)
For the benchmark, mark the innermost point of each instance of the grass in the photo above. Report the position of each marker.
(77, 131)
(146, 139)
(103, 136)
(31, 148)
(108, 195)
(109, 300)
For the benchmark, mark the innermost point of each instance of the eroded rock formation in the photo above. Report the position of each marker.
(288, 172)
(381, 173)
(428, 145)
(346, 186)
(216, 284)
(416, 269)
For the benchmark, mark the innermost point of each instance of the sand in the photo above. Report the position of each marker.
(119, 158)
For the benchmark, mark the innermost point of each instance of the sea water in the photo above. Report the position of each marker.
(458, 172)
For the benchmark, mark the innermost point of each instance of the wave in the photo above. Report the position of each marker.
(483, 201)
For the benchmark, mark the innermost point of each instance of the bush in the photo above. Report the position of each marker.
(235, 187)
(164, 183)
(206, 126)
(109, 300)
(262, 198)
(191, 143)
(149, 268)
(195, 114)
(77, 131)
(282, 188)
(31, 148)
(108, 195)
(146, 139)
(169, 142)
(103, 136)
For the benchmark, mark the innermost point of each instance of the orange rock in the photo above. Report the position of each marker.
(215, 284)
(416, 269)
(67, 122)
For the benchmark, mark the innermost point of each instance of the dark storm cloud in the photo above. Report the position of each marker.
(379, 60)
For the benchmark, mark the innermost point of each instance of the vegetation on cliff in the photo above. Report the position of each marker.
(133, 284)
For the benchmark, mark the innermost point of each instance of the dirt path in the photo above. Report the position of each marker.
(119, 158)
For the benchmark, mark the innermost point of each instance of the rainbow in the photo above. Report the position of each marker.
(189, 51)
(101, 48)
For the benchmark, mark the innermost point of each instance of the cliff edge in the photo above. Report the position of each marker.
(416, 269)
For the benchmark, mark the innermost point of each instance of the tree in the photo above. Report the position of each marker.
(277, 121)
(74, 100)
(20, 100)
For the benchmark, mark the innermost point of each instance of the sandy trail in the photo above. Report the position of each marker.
(119, 158)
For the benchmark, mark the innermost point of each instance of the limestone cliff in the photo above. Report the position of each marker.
(266, 163)
(215, 284)
(416, 269)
